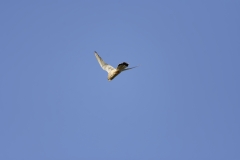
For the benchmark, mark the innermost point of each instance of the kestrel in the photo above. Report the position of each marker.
(112, 72)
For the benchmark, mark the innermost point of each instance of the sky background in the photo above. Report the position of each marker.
(181, 103)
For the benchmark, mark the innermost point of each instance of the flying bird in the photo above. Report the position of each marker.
(112, 72)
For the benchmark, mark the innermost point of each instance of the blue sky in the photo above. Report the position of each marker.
(181, 103)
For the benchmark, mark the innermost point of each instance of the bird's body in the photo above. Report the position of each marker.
(112, 72)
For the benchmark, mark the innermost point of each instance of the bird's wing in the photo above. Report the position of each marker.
(129, 68)
(104, 65)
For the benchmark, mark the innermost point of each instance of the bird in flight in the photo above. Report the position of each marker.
(112, 72)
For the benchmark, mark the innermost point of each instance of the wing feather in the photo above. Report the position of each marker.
(129, 68)
(104, 65)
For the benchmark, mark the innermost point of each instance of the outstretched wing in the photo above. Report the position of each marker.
(104, 65)
(129, 68)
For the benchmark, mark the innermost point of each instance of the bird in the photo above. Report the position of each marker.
(112, 72)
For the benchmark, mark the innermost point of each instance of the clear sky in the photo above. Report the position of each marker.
(181, 103)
